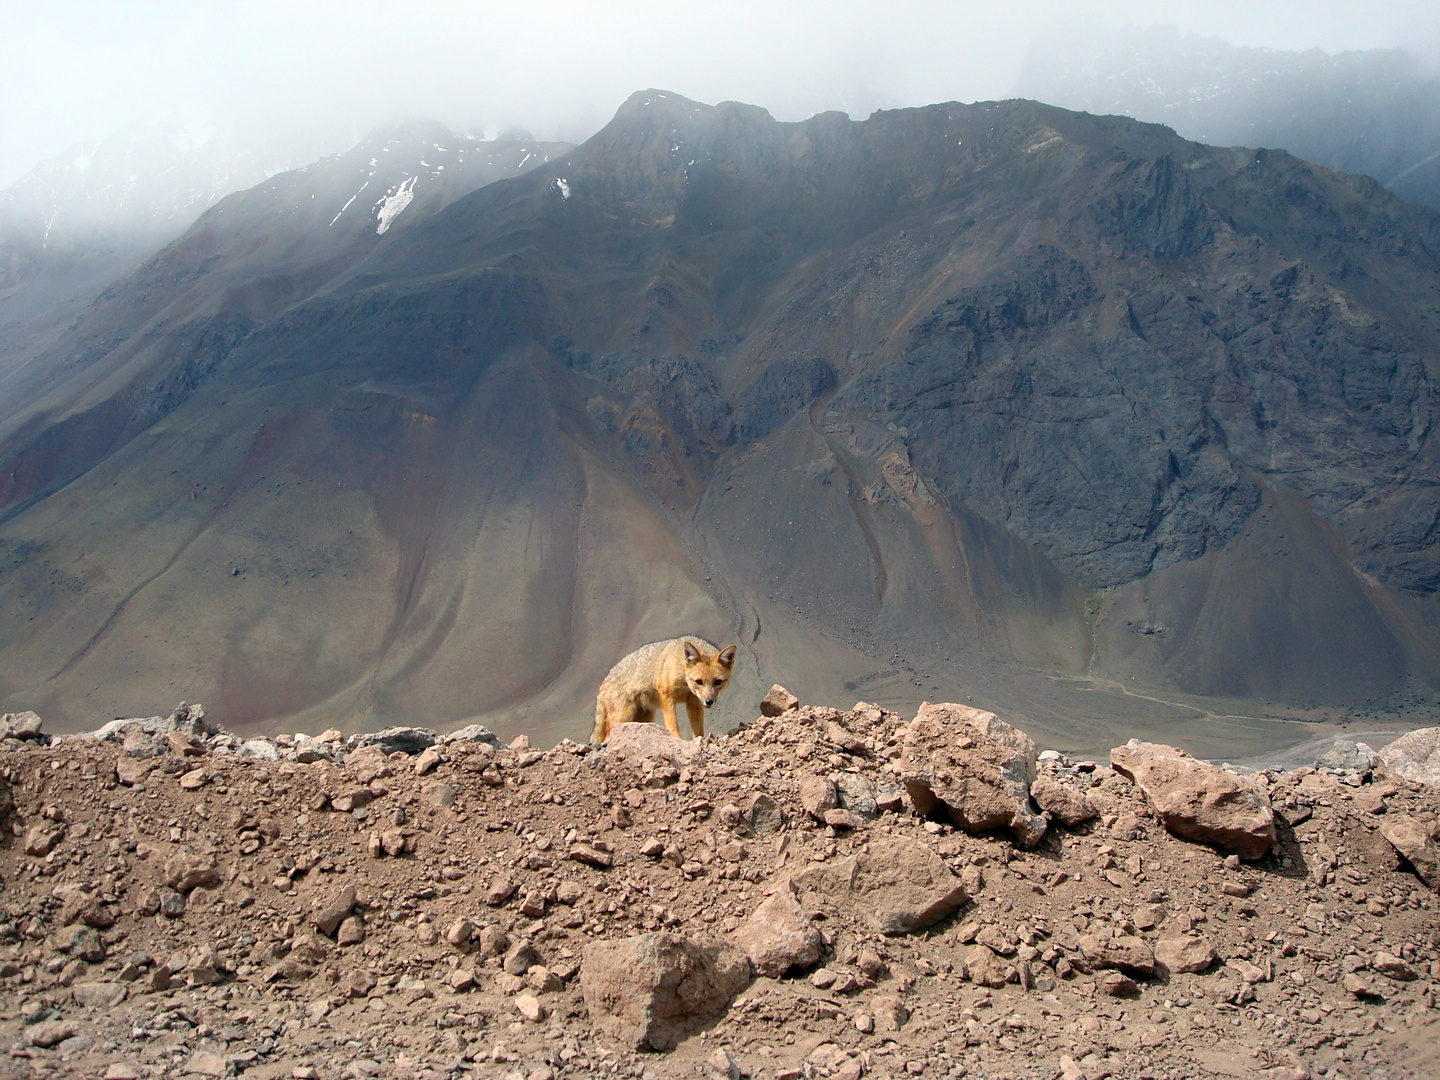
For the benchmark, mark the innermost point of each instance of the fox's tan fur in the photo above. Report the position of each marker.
(662, 675)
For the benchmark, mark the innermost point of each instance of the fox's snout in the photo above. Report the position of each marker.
(708, 701)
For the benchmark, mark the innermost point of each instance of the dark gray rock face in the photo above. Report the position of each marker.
(991, 378)
(782, 390)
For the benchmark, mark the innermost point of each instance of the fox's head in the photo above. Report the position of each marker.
(707, 673)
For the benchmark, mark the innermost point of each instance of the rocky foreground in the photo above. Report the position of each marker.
(821, 894)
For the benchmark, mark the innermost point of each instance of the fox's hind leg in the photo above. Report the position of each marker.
(602, 722)
(696, 712)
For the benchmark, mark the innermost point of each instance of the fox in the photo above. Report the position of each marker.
(661, 675)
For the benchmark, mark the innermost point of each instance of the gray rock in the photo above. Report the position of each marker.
(409, 740)
(478, 733)
(189, 719)
(262, 749)
(98, 995)
(855, 793)
(1346, 755)
(20, 725)
(760, 815)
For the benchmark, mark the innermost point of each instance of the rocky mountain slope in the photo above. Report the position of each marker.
(76, 225)
(1371, 111)
(1062, 412)
(80, 221)
(773, 904)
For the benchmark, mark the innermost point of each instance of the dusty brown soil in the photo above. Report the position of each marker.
(121, 975)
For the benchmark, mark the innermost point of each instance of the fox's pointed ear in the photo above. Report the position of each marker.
(692, 654)
(727, 656)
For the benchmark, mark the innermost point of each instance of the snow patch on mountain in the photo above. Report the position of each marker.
(393, 204)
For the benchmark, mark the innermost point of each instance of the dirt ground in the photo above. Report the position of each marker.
(164, 903)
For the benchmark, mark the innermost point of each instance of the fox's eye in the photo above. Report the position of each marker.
(719, 683)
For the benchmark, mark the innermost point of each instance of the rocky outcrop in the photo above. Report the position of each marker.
(651, 991)
(1415, 756)
(897, 886)
(971, 767)
(585, 906)
(1199, 801)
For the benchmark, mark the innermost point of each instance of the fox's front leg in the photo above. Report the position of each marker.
(696, 712)
(667, 711)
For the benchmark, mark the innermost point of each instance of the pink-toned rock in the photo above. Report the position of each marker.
(327, 918)
(1126, 953)
(895, 885)
(635, 742)
(1199, 801)
(779, 935)
(1411, 838)
(186, 870)
(1415, 756)
(1184, 955)
(778, 701)
(42, 837)
(974, 768)
(653, 990)
(1066, 804)
(817, 795)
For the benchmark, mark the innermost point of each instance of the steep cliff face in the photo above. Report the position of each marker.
(1056, 407)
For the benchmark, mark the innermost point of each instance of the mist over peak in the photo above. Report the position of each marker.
(1374, 111)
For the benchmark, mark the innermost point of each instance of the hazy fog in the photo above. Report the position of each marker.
(326, 72)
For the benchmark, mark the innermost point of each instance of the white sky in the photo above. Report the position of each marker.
(76, 69)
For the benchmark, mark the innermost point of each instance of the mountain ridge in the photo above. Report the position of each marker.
(954, 399)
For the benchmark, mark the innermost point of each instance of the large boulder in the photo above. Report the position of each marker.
(1411, 838)
(1414, 756)
(779, 934)
(1199, 801)
(654, 990)
(896, 885)
(974, 768)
